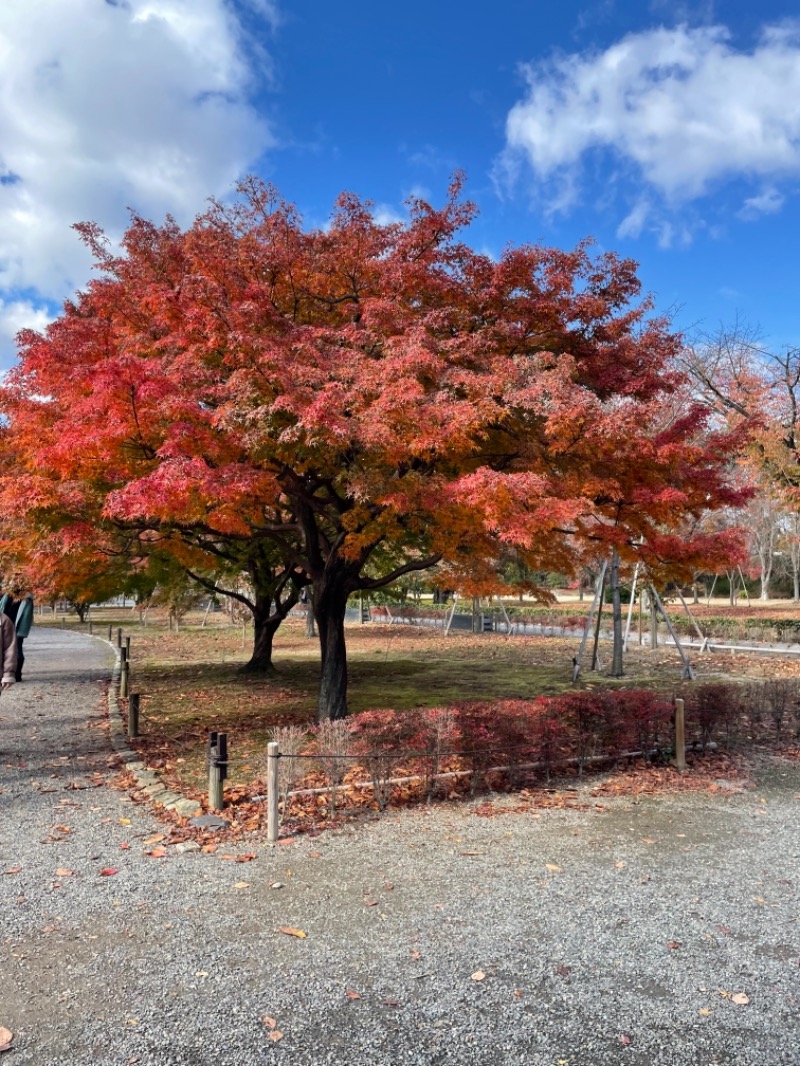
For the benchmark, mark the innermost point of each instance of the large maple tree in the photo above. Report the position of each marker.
(342, 406)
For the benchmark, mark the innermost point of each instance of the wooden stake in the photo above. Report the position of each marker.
(680, 735)
(273, 755)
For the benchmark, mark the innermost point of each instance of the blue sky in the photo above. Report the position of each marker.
(668, 132)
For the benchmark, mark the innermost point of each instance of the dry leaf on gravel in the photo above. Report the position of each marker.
(109, 871)
(275, 1035)
(740, 999)
(62, 871)
(479, 975)
(352, 995)
(269, 1022)
(6, 1039)
(290, 931)
(552, 867)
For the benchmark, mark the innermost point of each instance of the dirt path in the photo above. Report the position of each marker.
(613, 935)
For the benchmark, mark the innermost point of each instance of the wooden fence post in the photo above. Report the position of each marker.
(110, 630)
(273, 755)
(119, 638)
(680, 735)
(128, 648)
(133, 715)
(91, 628)
(123, 678)
(215, 770)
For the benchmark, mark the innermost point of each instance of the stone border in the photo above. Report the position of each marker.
(148, 780)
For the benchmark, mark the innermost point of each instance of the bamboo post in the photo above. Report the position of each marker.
(688, 673)
(577, 661)
(630, 609)
(595, 656)
(273, 755)
(680, 735)
(697, 629)
(133, 714)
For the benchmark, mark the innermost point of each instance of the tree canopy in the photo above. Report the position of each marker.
(338, 407)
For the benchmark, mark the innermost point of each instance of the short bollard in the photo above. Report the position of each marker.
(123, 679)
(680, 735)
(91, 628)
(133, 714)
(128, 648)
(217, 768)
(63, 622)
(273, 755)
(119, 638)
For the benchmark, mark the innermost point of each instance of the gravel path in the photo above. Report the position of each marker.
(604, 936)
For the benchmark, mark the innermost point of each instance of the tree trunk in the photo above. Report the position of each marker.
(616, 615)
(796, 586)
(266, 623)
(264, 630)
(330, 604)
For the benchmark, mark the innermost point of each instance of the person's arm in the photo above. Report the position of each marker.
(9, 644)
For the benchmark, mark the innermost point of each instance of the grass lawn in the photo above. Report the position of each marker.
(192, 681)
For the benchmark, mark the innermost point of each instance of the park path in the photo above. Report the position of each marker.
(577, 937)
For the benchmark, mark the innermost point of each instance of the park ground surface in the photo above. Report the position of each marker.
(605, 928)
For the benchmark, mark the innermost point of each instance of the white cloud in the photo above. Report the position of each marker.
(766, 203)
(677, 111)
(20, 314)
(111, 104)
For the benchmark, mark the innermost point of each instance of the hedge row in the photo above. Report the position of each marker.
(541, 735)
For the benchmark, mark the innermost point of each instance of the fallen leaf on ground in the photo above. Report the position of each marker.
(290, 931)
(479, 975)
(674, 944)
(352, 995)
(269, 1022)
(13, 870)
(62, 871)
(619, 865)
(242, 884)
(552, 867)
(624, 1039)
(109, 871)
(157, 853)
(6, 1038)
(705, 1011)
(740, 999)
(275, 1035)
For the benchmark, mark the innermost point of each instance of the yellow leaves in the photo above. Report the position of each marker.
(705, 1012)
(289, 930)
(552, 868)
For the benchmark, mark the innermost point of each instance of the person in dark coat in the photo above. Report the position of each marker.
(23, 621)
(8, 652)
